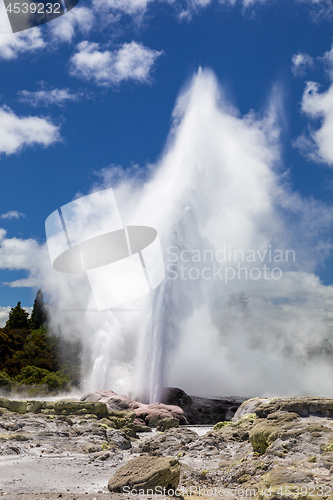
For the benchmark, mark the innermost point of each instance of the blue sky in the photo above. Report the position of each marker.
(98, 86)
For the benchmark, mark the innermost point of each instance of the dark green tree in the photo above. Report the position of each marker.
(18, 318)
(38, 315)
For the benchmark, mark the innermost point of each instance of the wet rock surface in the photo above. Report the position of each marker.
(283, 447)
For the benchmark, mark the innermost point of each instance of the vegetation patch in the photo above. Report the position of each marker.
(34, 360)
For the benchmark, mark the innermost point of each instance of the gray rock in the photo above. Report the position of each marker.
(171, 442)
(248, 407)
(146, 473)
(200, 410)
(118, 439)
(283, 475)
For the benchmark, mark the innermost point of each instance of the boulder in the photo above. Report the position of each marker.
(146, 473)
(152, 414)
(303, 406)
(140, 425)
(148, 414)
(265, 431)
(176, 396)
(113, 401)
(118, 439)
(291, 475)
(171, 442)
(248, 407)
(167, 423)
(198, 410)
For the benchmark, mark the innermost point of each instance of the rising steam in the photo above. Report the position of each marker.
(221, 323)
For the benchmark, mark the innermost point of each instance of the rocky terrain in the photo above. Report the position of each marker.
(279, 448)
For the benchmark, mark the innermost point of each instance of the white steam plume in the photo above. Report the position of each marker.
(219, 205)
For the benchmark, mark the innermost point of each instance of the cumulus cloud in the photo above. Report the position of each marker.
(23, 283)
(57, 97)
(318, 105)
(78, 20)
(185, 9)
(328, 61)
(18, 254)
(124, 6)
(17, 132)
(12, 214)
(63, 29)
(12, 45)
(4, 312)
(133, 61)
(190, 7)
(301, 62)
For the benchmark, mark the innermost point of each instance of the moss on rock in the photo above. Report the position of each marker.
(220, 425)
(265, 431)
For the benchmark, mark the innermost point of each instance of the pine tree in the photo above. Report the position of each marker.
(18, 318)
(38, 315)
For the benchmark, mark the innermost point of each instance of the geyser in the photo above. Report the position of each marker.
(217, 185)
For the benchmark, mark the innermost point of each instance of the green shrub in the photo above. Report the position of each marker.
(6, 382)
(33, 375)
(55, 381)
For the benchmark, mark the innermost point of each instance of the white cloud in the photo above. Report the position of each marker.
(133, 61)
(124, 6)
(12, 214)
(245, 3)
(14, 44)
(64, 29)
(4, 312)
(319, 144)
(47, 97)
(300, 63)
(191, 7)
(17, 132)
(184, 8)
(16, 253)
(23, 283)
(328, 60)
(320, 7)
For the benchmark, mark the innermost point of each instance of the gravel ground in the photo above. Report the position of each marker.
(57, 475)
